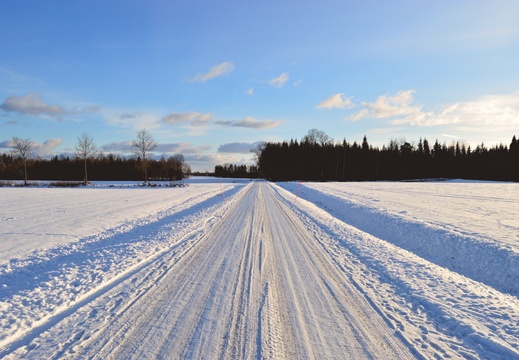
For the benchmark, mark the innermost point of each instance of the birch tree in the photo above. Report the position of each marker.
(23, 148)
(85, 149)
(142, 145)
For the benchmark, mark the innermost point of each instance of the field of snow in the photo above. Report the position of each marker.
(471, 228)
(243, 269)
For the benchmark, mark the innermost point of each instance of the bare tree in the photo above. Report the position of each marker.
(257, 149)
(24, 148)
(142, 145)
(85, 149)
(315, 136)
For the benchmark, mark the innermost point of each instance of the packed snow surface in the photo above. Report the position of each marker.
(242, 269)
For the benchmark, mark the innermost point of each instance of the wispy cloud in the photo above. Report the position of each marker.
(251, 122)
(122, 146)
(191, 118)
(130, 119)
(30, 104)
(337, 101)
(216, 71)
(249, 91)
(279, 81)
(183, 147)
(237, 147)
(451, 136)
(85, 109)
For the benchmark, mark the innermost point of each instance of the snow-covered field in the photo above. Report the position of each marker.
(241, 269)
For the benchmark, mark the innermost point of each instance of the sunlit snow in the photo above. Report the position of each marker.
(245, 269)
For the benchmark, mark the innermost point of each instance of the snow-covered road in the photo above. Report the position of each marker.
(254, 277)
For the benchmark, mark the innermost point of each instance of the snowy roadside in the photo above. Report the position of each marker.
(63, 299)
(51, 279)
(419, 218)
(438, 312)
(36, 219)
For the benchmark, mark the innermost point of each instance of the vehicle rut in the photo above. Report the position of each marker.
(253, 285)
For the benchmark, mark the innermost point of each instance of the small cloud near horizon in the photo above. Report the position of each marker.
(238, 147)
(251, 123)
(122, 146)
(192, 118)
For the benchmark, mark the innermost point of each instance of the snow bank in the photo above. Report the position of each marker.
(437, 312)
(429, 226)
(58, 246)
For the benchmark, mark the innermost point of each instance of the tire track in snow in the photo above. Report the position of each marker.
(178, 308)
(51, 321)
(12, 343)
(254, 286)
(326, 309)
(436, 312)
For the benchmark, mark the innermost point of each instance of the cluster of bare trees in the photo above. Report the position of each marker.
(86, 151)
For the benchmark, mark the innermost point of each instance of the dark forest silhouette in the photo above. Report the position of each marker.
(102, 167)
(236, 171)
(307, 160)
(318, 158)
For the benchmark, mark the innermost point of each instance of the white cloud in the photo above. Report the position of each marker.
(237, 147)
(191, 118)
(47, 148)
(199, 157)
(298, 83)
(131, 119)
(280, 81)
(249, 91)
(337, 101)
(251, 122)
(481, 118)
(216, 71)
(30, 104)
(399, 104)
(491, 109)
(6, 144)
(488, 111)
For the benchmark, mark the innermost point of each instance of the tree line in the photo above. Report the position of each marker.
(89, 164)
(236, 171)
(318, 158)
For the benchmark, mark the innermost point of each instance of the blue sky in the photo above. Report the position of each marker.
(209, 79)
